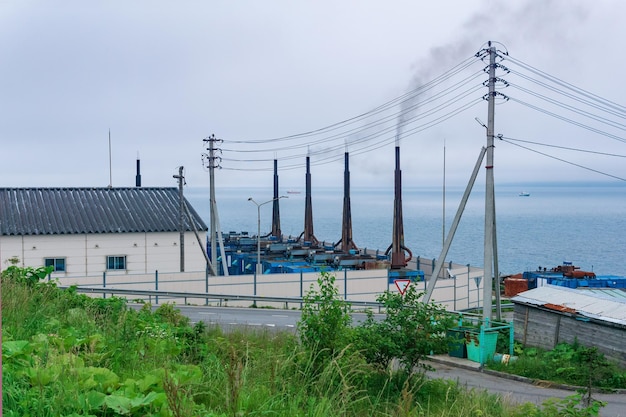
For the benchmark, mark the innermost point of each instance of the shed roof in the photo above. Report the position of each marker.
(51, 211)
(583, 302)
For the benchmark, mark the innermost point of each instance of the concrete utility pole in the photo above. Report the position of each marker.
(212, 164)
(490, 209)
(181, 217)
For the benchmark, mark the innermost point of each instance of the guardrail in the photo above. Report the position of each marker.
(221, 299)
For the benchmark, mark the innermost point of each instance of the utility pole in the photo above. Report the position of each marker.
(212, 163)
(490, 242)
(181, 217)
(489, 189)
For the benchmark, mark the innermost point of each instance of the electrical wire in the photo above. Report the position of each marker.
(568, 86)
(564, 161)
(424, 107)
(563, 147)
(568, 120)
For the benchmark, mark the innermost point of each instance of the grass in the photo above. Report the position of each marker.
(570, 364)
(66, 354)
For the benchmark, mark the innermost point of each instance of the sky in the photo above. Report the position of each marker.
(87, 88)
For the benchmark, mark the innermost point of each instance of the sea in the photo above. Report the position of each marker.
(584, 224)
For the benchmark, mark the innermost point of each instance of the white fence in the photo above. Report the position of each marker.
(459, 287)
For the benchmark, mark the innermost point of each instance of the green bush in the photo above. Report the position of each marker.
(324, 327)
(410, 331)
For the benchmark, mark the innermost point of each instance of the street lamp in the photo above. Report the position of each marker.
(258, 234)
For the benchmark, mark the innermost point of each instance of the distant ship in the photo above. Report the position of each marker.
(293, 192)
(524, 194)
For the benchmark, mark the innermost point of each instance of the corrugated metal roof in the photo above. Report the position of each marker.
(619, 293)
(587, 303)
(50, 211)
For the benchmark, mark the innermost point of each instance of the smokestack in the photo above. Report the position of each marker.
(276, 232)
(397, 245)
(138, 176)
(346, 227)
(308, 208)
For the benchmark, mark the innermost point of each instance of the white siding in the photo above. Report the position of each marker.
(87, 254)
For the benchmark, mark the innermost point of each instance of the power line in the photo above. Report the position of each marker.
(563, 147)
(563, 160)
(423, 107)
(568, 120)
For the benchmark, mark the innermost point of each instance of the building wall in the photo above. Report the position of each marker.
(86, 254)
(545, 329)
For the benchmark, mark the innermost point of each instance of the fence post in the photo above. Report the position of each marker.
(301, 287)
(454, 306)
(468, 287)
(156, 286)
(511, 338)
(345, 284)
(104, 283)
(206, 284)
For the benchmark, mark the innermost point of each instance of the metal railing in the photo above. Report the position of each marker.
(220, 299)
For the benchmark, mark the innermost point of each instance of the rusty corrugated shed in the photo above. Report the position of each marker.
(50, 211)
(582, 302)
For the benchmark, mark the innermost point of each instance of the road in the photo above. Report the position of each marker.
(521, 392)
(232, 317)
(229, 318)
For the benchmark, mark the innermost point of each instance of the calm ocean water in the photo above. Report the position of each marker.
(583, 224)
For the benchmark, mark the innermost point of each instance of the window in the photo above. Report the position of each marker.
(116, 262)
(58, 264)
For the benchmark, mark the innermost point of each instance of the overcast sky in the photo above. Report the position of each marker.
(163, 75)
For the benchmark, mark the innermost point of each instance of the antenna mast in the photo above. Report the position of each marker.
(110, 169)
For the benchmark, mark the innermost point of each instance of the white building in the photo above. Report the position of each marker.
(88, 231)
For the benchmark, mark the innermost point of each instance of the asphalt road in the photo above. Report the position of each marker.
(229, 318)
(520, 392)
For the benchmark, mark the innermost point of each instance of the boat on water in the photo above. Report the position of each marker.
(293, 192)
(524, 194)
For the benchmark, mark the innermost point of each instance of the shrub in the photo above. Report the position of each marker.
(410, 331)
(324, 326)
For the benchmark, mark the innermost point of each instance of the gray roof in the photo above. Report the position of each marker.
(605, 307)
(50, 211)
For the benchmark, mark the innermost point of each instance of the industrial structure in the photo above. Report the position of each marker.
(274, 253)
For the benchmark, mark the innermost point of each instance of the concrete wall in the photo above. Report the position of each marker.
(545, 329)
(86, 254)
(454, 293)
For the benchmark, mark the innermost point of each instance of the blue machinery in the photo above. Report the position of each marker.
(305, 253)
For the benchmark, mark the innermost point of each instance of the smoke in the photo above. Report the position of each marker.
(539, 22)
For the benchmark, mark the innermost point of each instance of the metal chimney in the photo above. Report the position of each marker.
(308, 235)
(138, 176)
(397, 247)
(346, 226)
(276, 232)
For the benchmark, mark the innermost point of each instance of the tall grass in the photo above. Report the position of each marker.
(66, 354)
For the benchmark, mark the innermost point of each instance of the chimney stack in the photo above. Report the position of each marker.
(138, 176)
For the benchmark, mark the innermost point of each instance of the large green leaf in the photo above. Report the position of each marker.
(14, 348)
(93, 400)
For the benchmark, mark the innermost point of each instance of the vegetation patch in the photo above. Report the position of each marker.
(69, 355)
